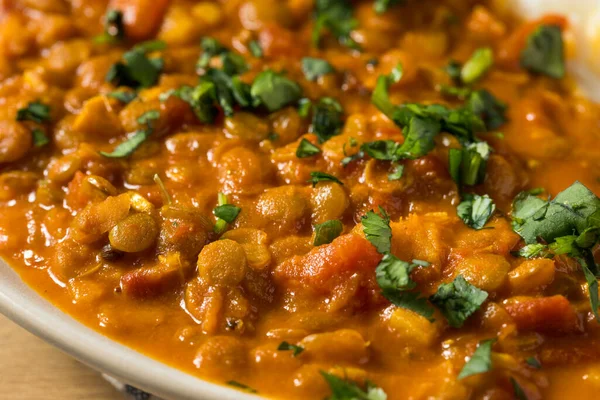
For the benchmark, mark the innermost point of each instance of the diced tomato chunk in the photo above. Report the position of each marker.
(141, 17)
(326, 266)
(551, 315)
(150, 282)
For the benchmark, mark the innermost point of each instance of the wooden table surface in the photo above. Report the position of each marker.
(33, 370)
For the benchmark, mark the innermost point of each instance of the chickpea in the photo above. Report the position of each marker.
(344, 345)
(98, 218)
(329, 201)
(267, 356)
(184, 230)
(255, 14)
(283, 206)
(486, 271)
(531, 275)
(135, 233)
(287, 124)
(240, 168)
(15, 141)
(222, 263)
(221, 356)
(413, 328)
(254, 243)
(246, 126)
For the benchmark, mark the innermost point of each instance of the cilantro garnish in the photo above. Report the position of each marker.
(480, 361)
(342, 389)
(533, 362)
(569, 224)
(307, 149)
(225, 212)
(201, 99)
(327, 231)
(327, 118)
(458, 300)
(336, 17)
(137, 70)
(518, 390)
(314, 68)
(132, 143)
(475, 210)
(39, 137)
(394, 274)
(210, 48)
(544, 52)
(397, 174)
(487, 107)
(274, 90)
(285, 346)
(114, 29)
(533, 250)
(241, 386)
(316, 177)
(255, 48)
(35, 111)
(467, 166)
(304, 106)
(381, 6)
(377, 230)
(479, 63)
(123, 96)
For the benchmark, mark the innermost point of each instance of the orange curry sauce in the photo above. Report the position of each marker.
(126, 240)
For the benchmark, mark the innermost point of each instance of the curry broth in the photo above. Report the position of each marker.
(86, 222)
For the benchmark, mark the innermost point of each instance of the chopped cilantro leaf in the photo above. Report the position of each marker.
(476, 210)
(39, 137)
(316, 177)
(453, 69)
(458, 300)
(385, 150)
(544, 52)
(412, 301)
(148, 117)
(255, 49)
(327, 118)
(327, 231)
(394, 274)
(566, 214)
(336, 17)
(123, 96)
(518, 390)
(381, 6)
(592, 282)
(137, 70)
(533, 362)
(227, 212)
(479, 63)
(304, 106)
(480, 361)
(306, 149)
(114, 29)
(210, 48)
(397, 174)
(35, 111)
(314, 68)
(274, 90)
(377, 230)
(468, 165)
(241, 386)
(533, 250)
(285, 346)
(342, 389)
(129, 146)
(201, 99)
(487, 107)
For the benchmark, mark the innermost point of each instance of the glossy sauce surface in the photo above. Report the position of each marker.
(99, 238)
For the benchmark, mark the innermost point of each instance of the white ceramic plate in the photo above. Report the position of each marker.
(25, 307)
(28, 309)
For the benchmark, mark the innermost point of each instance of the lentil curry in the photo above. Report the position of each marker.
(309, 199)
